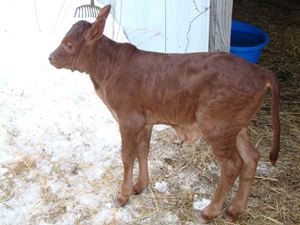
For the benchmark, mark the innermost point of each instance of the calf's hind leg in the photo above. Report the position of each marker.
(231, 164)
(250, 157)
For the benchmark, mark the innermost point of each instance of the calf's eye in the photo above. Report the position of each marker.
(69, 46)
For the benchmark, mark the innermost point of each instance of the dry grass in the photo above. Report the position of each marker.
(191, 173)
(275, 196)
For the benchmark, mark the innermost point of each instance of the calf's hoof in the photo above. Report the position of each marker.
(208, 213)
(137, 189)
(204, 218)
(232, 214)
(120, 201)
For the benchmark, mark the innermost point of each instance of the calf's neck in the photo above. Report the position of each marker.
(214, 95)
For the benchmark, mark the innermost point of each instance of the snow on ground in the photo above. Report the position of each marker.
(60, 147)
(200, 205)
(161, 186)
(53, 127)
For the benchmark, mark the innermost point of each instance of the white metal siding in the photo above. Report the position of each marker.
(173, 26)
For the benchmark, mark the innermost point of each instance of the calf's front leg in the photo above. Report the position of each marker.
(142, 156)
(130, 133)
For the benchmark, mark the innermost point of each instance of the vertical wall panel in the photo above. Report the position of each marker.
(172, 26)
(187, 25)
(143, 23)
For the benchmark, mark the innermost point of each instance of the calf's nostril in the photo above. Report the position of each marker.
(49, 58)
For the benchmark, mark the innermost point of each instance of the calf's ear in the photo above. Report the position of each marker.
(104, 12)
(96, 31)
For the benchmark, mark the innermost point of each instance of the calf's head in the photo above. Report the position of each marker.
(77, 42)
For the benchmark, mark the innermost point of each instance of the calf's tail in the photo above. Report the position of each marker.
(273, 83)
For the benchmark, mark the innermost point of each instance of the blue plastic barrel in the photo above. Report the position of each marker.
(247, 41)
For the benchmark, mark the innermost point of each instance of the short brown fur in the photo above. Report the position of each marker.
(214, 95)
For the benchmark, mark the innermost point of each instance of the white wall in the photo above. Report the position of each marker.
(153, 25)
(53, 18)
(172, 26)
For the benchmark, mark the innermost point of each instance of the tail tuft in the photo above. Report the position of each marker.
(273, 82)
(273, 157)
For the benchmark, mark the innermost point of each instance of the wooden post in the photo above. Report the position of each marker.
(220, 25)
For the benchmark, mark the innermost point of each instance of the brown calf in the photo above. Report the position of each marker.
(211, 94)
